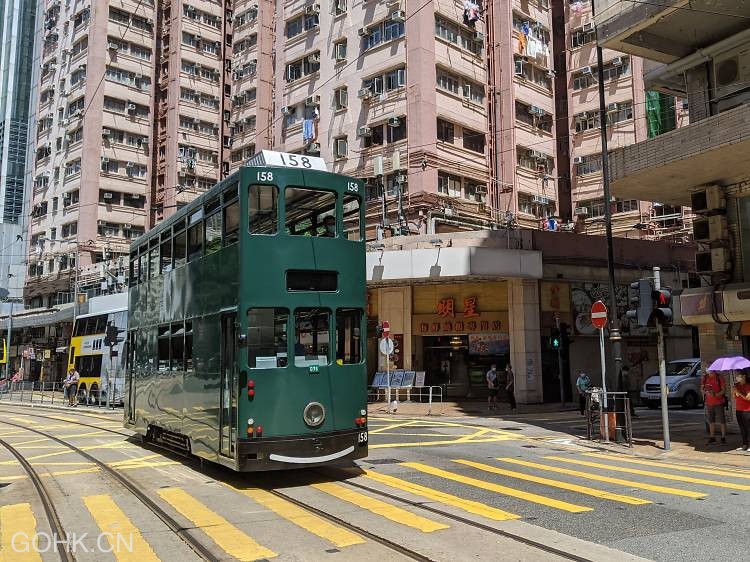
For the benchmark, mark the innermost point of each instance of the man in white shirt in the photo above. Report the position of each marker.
(491, 378)
(71, 386)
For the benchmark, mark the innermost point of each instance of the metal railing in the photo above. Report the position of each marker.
(421, 394)
(611, 423)
(39, 392)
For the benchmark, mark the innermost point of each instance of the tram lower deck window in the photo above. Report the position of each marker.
(310, 280)
(267, 338)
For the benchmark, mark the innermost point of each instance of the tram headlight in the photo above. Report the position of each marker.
(314, 414)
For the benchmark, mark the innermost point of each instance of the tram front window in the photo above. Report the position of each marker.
(267, 338)
(310, 212)
(263, 209)
(311, 339)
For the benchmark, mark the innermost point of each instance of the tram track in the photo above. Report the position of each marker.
(193, 543)
(46, 500)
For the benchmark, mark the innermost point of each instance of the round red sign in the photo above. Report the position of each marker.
(599, 315)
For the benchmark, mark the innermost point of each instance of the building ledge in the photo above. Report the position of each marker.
(665, 168)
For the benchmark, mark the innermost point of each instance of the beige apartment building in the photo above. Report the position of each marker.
(463, 125)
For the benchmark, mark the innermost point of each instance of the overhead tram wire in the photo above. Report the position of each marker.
(689, 8)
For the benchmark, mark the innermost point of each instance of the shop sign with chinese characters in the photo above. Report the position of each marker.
(448, 320)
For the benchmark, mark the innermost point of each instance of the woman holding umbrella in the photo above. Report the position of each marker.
(713, 387)
(741, 393)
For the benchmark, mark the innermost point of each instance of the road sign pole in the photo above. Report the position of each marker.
(662, 369)
(604, 385)
(560, 361)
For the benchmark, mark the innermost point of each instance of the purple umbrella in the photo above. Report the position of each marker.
(729, 364)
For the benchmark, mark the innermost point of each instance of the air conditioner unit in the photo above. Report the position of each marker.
(313, 147)
(538, 155)
(312, 9)
(478, 36)
(112, 46)
(480, 189)
(578, 160)
(314, 58)
(611, 107)
(587, 70)
(106, 133)
(401, 178)
(709, 199)
(710, 229)
(286, 110)
(131, 107)
(105, 160)
(534, 110)
(312, 101)
(398, 15)
(364, 93)
(581, 211)
(540, 199)
(587, 27)
(394, 122)
(144, 141)
(617, 61)
(127, 225)
(732, 71)
(198, 36)
(715, 260)
(67, 196)
(363, 31)
(190, 8)
(100, 223)
(364, 132)
(108, 195)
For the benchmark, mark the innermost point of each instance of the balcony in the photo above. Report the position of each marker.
(667, 30)
(666, 168)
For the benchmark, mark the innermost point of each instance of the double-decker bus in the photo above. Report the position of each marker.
(246, 320)
(96, 349)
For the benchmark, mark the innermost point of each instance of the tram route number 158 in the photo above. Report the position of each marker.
(362, 438)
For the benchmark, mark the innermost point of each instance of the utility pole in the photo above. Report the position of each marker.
(10, 329)
(662, 368)
(614, 328)
(560, 361)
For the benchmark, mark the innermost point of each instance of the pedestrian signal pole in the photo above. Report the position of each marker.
(662, 362)
(559, 360)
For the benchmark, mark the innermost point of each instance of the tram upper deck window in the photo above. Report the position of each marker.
(352, 219)
(153, 259)
(348, 342)
(231, 223)
(267, 338)
(180, 248)
(263, 208)
(312, 341)
(195, 236)
(213, 232)
(310, 212)
(166, 254)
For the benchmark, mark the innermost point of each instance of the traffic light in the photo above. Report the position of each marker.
(662, 305)
(554, 339)
(565, 339)
(642, 301)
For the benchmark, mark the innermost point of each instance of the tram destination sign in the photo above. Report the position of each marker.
(277, 159)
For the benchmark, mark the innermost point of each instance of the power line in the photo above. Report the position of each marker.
(689, 8)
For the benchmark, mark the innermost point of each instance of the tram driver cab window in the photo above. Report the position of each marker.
(267, 338)
(310, 212)
(311, 336)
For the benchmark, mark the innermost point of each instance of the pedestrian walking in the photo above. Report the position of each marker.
(583, 382)
(491, 378)
(510, 386)
(70, 386)
(715, 398)
(741, 393)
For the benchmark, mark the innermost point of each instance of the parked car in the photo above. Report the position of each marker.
(683, 383)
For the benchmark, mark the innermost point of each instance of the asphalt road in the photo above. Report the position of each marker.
(448, 489)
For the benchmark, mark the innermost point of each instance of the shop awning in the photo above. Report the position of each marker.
(39, 317)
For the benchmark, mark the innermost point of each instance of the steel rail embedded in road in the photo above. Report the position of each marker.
(49, 507)
(197, 547)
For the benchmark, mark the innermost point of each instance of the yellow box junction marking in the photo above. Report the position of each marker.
(312, 523)
(603, 494)
(681, 467)
(228, 537)
(609, 479)
(492, 487)
(125, 540)
(17, 533)
(689, 479)
(470, 506)
(381, 508)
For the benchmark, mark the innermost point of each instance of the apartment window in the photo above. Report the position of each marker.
(625, 206)
(395, 79)
(621, 112)
(139, 52)
(72, 168)
(474, 92)
(80, 47)
(108, 229)
(590, 164)
(210, 47)
(340, 147)
(446, 30)
(594, 207)
(293, 27)
(339, 49)
(473, 141)
(579, 37)
(110, 197)
(533, 116)
(447, 82)
(534, 160)
(76, 106)
(78, 76)
(587, 120)
(311, 21)
(449, 184)
(536, 30)
(526, 70)
(539, 206)
(134, 200)
(110, 166)
(614, 69)
(376, 136)
(445, 131)
(475, 191)
(340, 98)
(398, 132)
(383, 32)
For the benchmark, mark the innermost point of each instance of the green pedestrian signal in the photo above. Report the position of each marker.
(554, 339)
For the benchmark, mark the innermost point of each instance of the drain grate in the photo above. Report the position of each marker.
(384, 461)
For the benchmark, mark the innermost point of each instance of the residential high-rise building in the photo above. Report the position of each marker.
(17, 27)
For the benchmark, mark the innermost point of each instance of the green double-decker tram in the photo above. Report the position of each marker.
(246, 333)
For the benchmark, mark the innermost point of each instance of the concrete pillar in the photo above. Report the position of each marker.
(525, 342)
(394, 305)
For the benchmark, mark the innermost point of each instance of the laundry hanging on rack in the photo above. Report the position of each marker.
(308, 130)
(471, 13)
(526, 29)
(521, 44)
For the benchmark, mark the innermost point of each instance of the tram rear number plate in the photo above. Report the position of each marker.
(362, 438)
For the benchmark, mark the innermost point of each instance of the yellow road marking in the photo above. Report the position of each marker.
(528, 496)
(82, 463)
(304, 519)
(17, 534)
(471, 437)
(690, 479)
(134, 460)
(391, 426)
(89, 434)
(38, 447)
(24, 420)
(686, 468)
(444, 442)
(601, 478)
(151, 464)
(32, 441)
(471, 506)
(603, 494)
(125, 540)
(381, 508)
(228, 537)
(71, 472)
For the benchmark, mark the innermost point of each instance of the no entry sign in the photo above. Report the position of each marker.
(599, 315)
